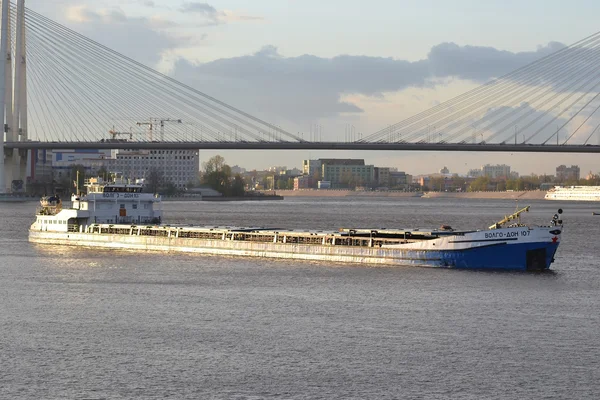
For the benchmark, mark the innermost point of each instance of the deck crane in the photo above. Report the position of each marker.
(154, 122)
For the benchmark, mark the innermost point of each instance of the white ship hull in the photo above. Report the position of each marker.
(574, 193)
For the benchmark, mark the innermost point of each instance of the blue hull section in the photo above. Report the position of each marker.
(513, 257)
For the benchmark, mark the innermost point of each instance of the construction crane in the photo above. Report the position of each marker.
(113, 134)
(161, 123)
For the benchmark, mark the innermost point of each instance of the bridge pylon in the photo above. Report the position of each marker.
(4, 57)
(13, 99)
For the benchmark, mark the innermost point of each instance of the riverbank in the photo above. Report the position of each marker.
(515, 195)
(15, 198)
(244, 198)
(344, 193)
(223, 198)
(520, 195)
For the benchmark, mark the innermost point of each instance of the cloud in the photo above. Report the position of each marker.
(214, 16)
(145, 39)
(308, 87)
(235, 16)
(201, 8)
(481, 63)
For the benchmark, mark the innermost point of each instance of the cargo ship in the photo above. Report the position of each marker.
(575, 193)
(119, 215)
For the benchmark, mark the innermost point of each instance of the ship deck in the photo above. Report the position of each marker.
(344, 236)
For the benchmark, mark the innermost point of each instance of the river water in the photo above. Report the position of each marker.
(100, 324)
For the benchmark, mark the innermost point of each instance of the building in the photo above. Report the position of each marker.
(495, 171)
(381, 176)
(42, 166)
(179, 167)
(236, 169)
(564, 173)
(311, 167)
(303, 182)
(475, 173)
(400, 180)
(491, 171)
(331, 166)
(62, 161)
(348, 174)
(342, 161)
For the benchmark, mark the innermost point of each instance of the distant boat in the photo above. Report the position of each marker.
(574, 193)
(596, 213)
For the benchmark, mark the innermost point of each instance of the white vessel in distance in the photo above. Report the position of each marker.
(574, 193)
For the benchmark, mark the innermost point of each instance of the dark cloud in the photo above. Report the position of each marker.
(480, 63)
(308, 87)
(212, 16)
(201, 8)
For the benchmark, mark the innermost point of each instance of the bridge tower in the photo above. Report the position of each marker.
(20, 97)
(13, 99)
(4, 111)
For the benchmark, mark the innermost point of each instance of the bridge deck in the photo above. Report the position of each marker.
(523, 148)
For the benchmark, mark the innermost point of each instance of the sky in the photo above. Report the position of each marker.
(338, 63)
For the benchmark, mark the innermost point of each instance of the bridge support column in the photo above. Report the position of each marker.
(11, 161)
(19, 130)
(4, 61)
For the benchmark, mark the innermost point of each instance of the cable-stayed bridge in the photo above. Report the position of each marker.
(62, 90)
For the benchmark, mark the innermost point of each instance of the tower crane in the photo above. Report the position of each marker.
(152, 124)
(113, 134)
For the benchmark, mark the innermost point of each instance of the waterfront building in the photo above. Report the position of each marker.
(179, 167)
(423, 181)
(564, 173)
(348, 174)
(400, 180)
(42, 166)
(303, 182)
(62, 161)
(475, 173)
(491, 171)
(311, 167)
(495, 171)
(382, 176)
(336, 167)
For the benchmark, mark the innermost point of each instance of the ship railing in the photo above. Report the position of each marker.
(48, 210)
(73, 228)
(271, 237)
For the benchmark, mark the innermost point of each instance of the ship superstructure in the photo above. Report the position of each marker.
(106, 202)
